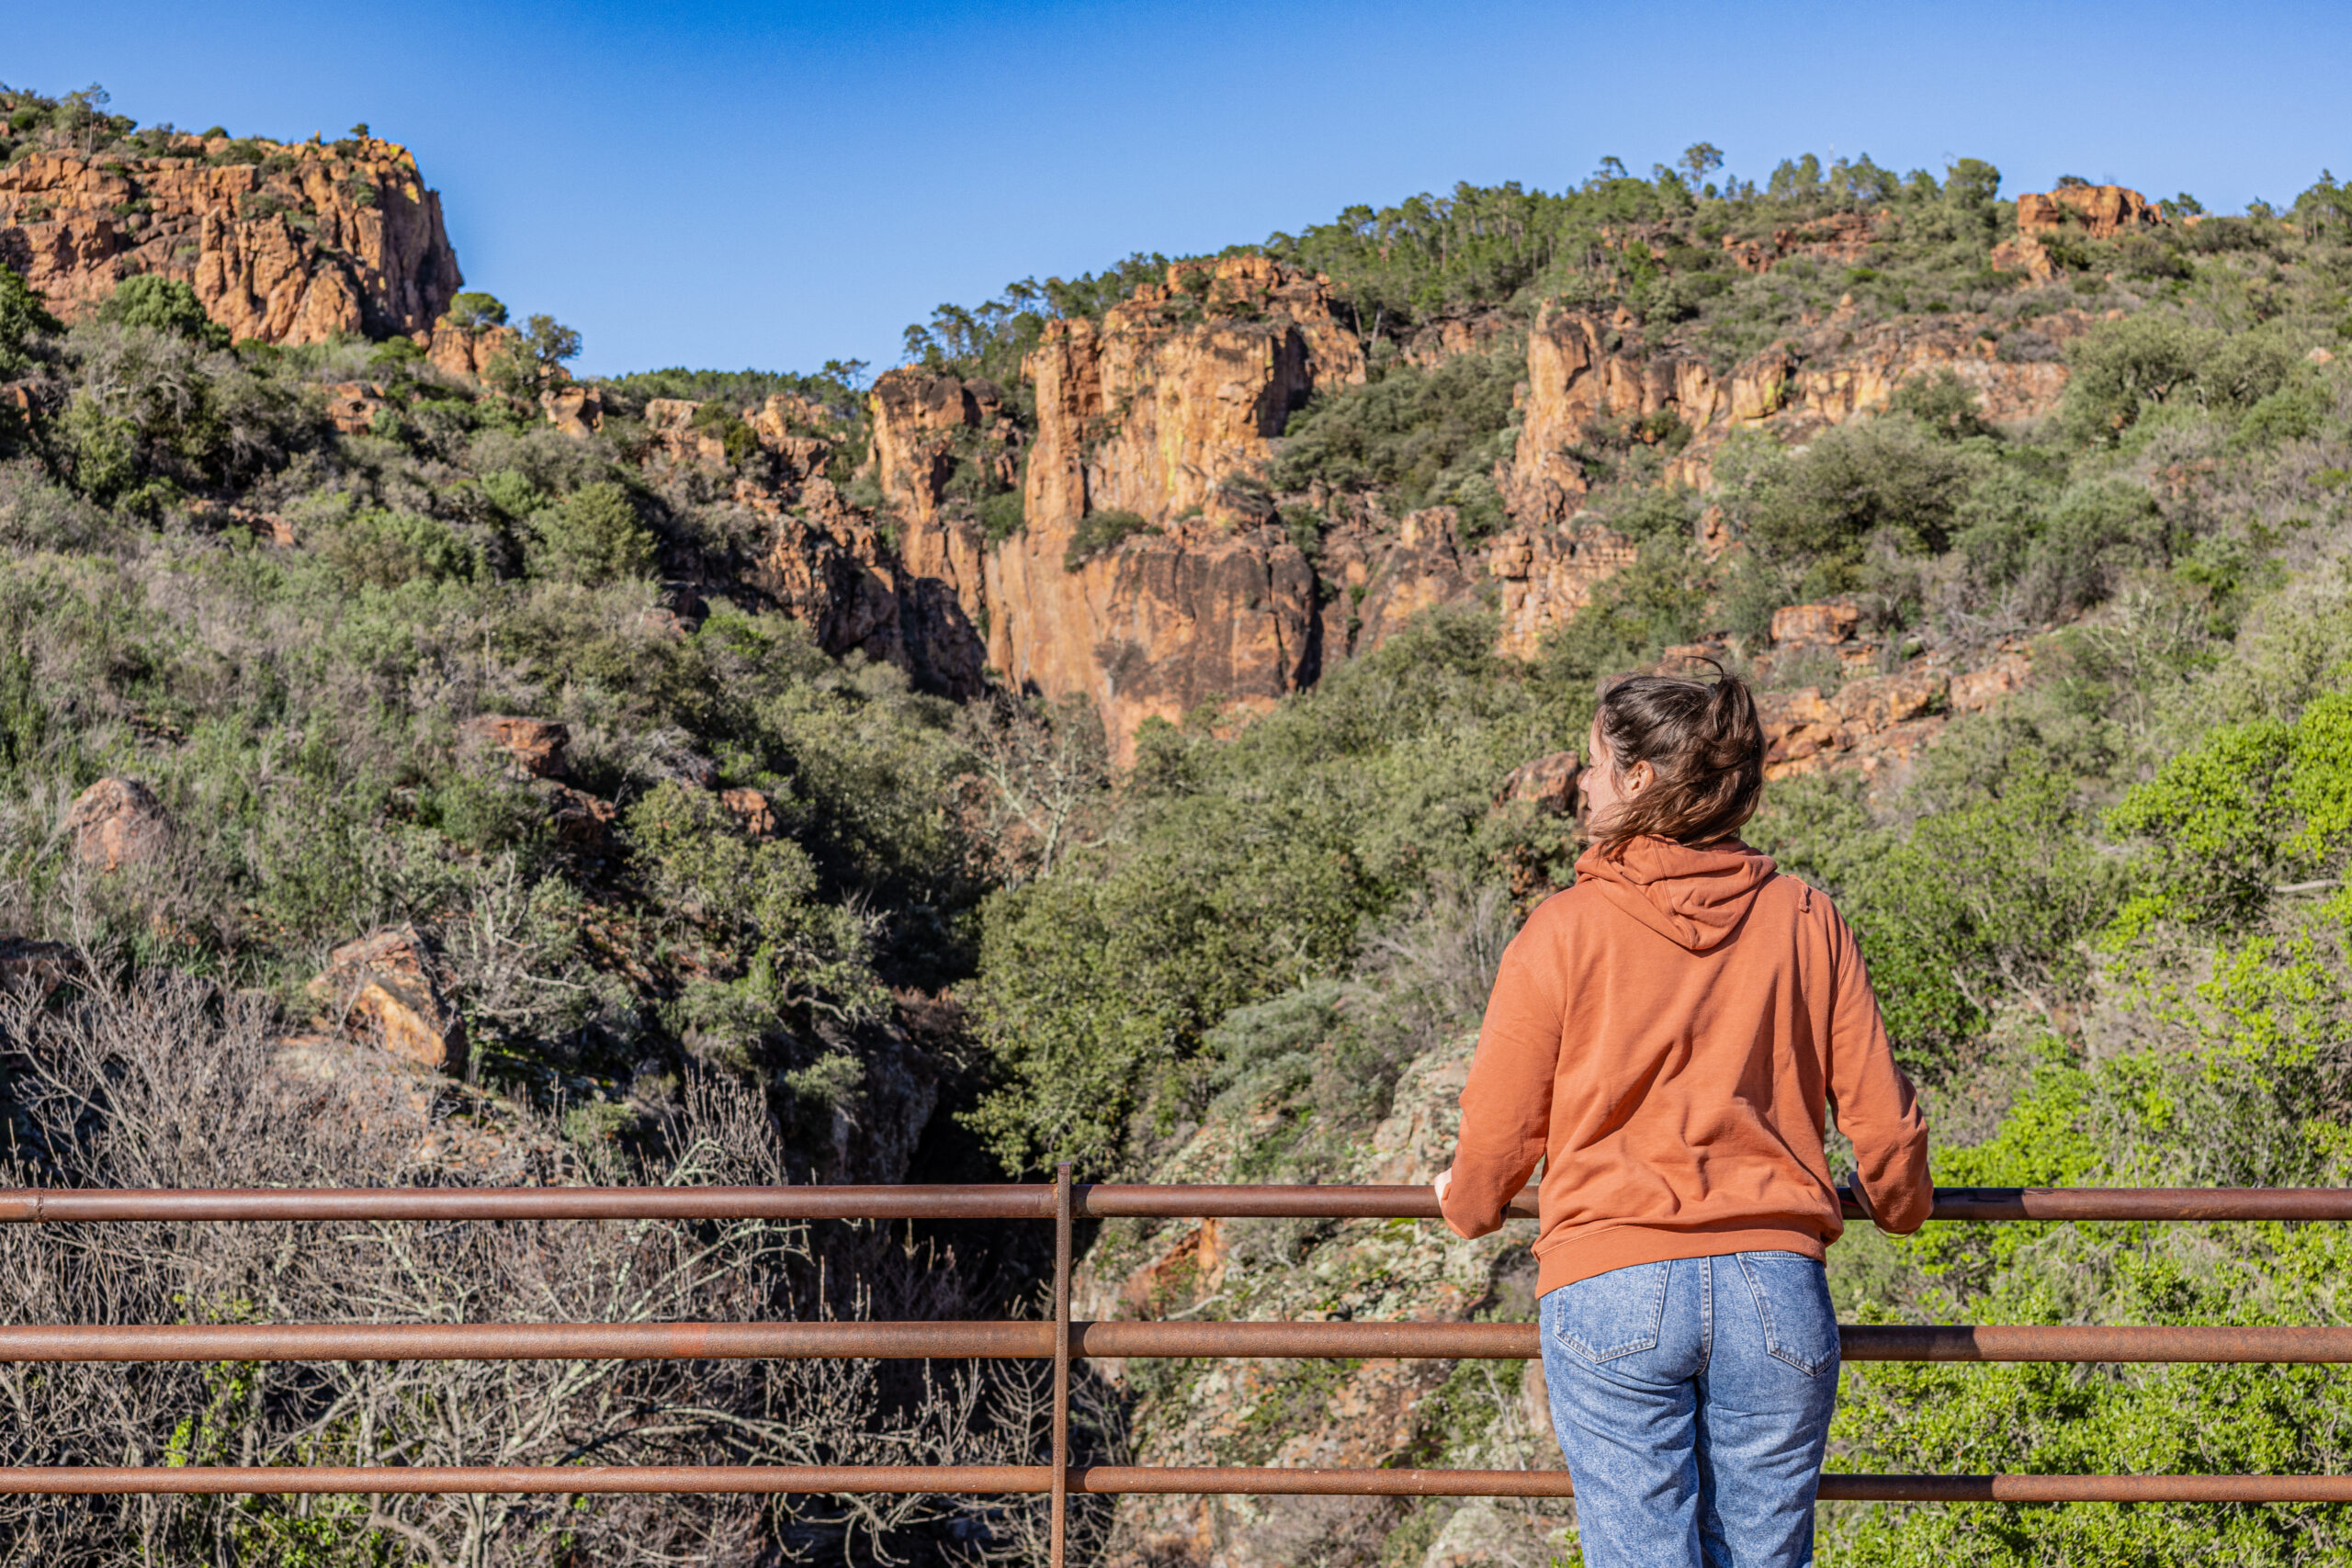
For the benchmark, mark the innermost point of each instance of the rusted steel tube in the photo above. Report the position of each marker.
(1036, 1201)
(1118, 1479)
(79, 1204)
(524, 1341)
(956, 1341)
(2123, 1203)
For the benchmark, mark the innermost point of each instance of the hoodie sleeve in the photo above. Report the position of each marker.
(1875, 1105)
(1507, 1104)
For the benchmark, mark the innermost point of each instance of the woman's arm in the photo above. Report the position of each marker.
(1876, 1107)
(1507, 1104)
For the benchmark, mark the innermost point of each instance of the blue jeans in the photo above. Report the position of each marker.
(1691, 1399)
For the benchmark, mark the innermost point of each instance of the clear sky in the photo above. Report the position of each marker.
(728, 185)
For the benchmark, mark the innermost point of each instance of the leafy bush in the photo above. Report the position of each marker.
(1416, 437)
(1098, 533)
(1879, 475)
(164, 305)
(384, 549)
(594, 536)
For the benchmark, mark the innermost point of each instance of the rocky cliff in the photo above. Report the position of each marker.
(283, 243)
(1152, 571)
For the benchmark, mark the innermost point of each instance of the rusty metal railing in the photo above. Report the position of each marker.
(1064, 1340)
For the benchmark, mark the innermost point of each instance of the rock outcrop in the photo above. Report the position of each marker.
(387, 987)
(1591, 382)
(117, 822)
(1150, 571)
(2097, 212)
(2103, 211)
(1875, 719)
(300, 242)
(533, 747)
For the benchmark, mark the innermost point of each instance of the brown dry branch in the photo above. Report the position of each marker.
(166, 1083)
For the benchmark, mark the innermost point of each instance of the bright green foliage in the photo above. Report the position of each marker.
(793, 949)
(1857, 481)
(594, 536)
(164, 305)
(2250, 807)
(384, 549)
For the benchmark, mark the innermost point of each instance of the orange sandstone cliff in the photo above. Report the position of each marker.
(305, 241)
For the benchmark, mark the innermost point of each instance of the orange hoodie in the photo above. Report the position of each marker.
(1663, 1036)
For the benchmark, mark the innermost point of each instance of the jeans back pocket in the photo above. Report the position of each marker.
(1614, 1315)
(1792, 1295)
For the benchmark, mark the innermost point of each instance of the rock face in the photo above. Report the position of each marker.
(1168, 410)
(534, 746)
(388, 986)
(1151, 573)
(1590, 381)
(117, 822)
(1875, 720)
(2101, 212)
(306, 242)
(2104, 211)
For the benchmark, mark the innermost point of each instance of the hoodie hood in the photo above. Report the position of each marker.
(1693, 897)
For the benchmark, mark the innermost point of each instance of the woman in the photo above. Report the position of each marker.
(1663, 1036)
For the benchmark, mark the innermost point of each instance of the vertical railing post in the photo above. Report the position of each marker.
(1060, 1530)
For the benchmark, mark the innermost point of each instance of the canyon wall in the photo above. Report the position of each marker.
(1151, 569)
(307, 240)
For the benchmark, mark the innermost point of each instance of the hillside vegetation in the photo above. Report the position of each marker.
(773, 911)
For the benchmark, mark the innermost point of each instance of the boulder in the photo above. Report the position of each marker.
(1980, 689)
(388, 987)
(39, 967)
(1881, 701)
(753, 811)
(575, 410)
(575, 817)
(353, 405)
(2103, 211)
(1797, 625)
(534, 747)
(1547, 782)
(117, 822)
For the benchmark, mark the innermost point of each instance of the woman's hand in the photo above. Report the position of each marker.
(1444, 1180)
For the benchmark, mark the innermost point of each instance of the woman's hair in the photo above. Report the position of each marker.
(1706, 745)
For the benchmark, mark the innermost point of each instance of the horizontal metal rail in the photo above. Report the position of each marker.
(1035, 1341)
(1036, 1201)
(1013, 1480)
(1063, 1340)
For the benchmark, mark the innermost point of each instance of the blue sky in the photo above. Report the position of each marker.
(730, 185)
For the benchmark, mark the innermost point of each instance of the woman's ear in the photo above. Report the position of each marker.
(1639, 777)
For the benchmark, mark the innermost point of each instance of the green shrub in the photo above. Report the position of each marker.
(1875, 476)
(593, 535)
(384, 549)
(165, 305)
(1001, 516)
(2121, 369)
(1101, 533)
